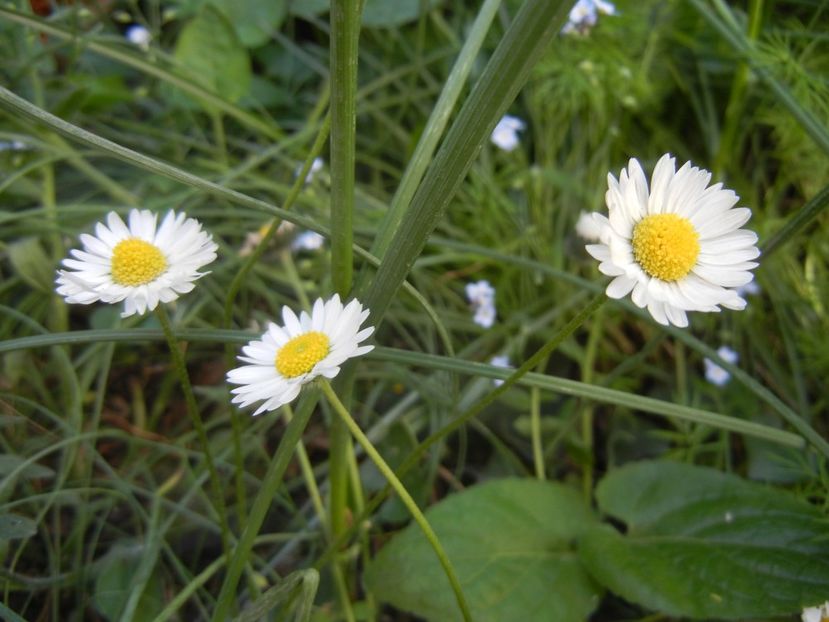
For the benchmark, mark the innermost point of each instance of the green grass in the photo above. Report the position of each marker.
(99, 459)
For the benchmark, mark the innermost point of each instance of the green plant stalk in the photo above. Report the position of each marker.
(587, 415)
(797, 223)
(195, 417)
(316, 501)
(535, 433)
(536, 23)
(435, 126)
(270, 484)
(401, 491)
(345, 33)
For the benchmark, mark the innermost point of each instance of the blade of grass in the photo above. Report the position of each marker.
(535, 24)
(435, 126)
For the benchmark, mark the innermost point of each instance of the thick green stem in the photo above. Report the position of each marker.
(270, 484)
(401, 491)
(195, 417)
(345, 32)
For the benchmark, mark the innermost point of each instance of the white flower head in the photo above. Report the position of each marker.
(677, 246)
(141, 264)
(502, 360)
(308, 241)
(584, 15)
(481, 296)
(287, 357)
(819, 613)
(714, 373)
(139, 35)
(505, 135)
(316, 167)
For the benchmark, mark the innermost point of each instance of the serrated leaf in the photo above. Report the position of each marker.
(707, 545)
(31, 263)
(254, 21)
(209, 52)
(510, 541)
(16, 527)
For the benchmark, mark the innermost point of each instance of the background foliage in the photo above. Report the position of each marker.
(104, 512)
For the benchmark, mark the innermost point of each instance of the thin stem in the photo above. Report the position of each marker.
(401, 491)
(319, 509)
(270, 484)
(587, 414)
(535, 433)
(180, 368)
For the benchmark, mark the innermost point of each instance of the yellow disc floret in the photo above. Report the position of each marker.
(301, 353)
(136, 262)
(666, 246)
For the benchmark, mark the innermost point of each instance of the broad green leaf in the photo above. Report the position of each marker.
(209, 52)
(707, 545)
(254, 21)
(113, 585)
(16, 527)
(31, 263)
(510, 541)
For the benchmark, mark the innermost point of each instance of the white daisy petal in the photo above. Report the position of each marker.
(287, 357)
(136, 264)
(677, 247)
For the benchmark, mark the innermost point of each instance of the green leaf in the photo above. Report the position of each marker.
(254, 21)
(114, 585)
(510, 541)
(391, 13)
(16, 527)
(704, 544)
(209, 53)
(31, 263)
(9, 462)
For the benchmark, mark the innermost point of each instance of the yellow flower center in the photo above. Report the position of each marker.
(136, 262)
(665, 245)
(301, 353)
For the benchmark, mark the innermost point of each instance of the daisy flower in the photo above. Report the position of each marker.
(140, 264)
(714, 373)
(588, 227)
(287, 357)
(505, 135)
(677, 247)
(820, 613)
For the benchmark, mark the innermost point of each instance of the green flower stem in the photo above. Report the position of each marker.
(270, 484)
(587, 415)
(195, 417)
(319, 508)
(404, 495)
(535, 433)
(345, 33)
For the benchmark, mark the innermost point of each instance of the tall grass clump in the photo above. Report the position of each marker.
(402, 310)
